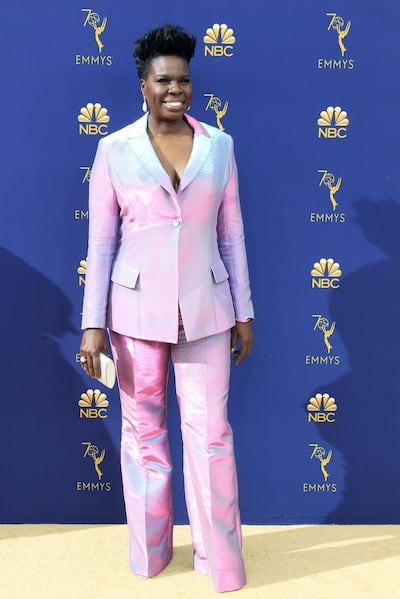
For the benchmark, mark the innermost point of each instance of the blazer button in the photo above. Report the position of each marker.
(176, 223)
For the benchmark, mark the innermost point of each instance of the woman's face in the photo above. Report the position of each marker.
(167, 88)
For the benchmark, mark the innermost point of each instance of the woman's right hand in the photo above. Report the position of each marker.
(93, 342)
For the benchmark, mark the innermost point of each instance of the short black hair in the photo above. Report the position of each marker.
(166, 40)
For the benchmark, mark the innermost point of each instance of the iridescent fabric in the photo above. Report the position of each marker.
(202, 381)
(152, 247)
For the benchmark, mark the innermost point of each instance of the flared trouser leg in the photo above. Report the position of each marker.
(202, 370)
(142, 369)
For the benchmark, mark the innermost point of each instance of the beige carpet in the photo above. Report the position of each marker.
(283, 562)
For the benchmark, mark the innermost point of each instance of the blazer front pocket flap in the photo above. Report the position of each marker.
(219, 272)
(124, 275)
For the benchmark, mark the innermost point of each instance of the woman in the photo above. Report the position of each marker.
(167, 275)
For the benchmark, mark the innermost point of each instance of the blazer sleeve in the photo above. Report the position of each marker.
(103, 237)
(231, 243)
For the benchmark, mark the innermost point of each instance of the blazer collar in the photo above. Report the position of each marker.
(141, 145)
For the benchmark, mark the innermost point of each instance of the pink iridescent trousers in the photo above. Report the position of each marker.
(202, 381)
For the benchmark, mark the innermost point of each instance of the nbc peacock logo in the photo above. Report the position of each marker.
(326, 274)
(321, 408)
(81, 270)
(219, 41)
(92, 119)
(93, 404)
(333, 123)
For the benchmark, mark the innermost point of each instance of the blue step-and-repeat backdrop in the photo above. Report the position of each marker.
(310, 92)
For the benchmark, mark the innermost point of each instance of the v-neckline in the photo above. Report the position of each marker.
(179, 179)
(141, 146)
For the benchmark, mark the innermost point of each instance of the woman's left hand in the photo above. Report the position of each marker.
(242, 331)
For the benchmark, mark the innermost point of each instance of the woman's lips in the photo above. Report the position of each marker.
(174, 104)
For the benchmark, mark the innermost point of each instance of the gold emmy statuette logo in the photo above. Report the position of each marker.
(325, 274)
(332, 123)
(78, 213)
(323, 325)
(328, 359)
(93, 119)
(93, 452)
(321, 408)
(215, 104)
(86, 176)
(93, 19)
(328, 179)
(320, 453)
(81, 270)
(93, 404)
(219, 40)
(337, 24)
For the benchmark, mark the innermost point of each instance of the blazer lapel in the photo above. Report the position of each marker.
(141, 146)
(200, 151)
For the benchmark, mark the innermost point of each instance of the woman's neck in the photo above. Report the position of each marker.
(164, 128)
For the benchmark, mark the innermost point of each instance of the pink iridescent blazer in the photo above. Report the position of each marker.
(153, 248)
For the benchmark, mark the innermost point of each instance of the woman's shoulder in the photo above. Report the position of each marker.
(210, 130)
(215, 132)
(134, 129)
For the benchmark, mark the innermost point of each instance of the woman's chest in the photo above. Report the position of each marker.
(141, 181)
(173, 154)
